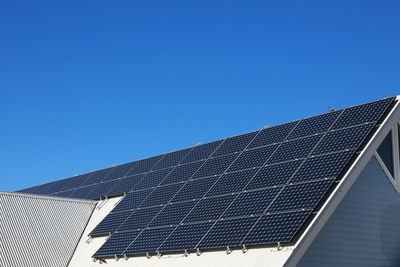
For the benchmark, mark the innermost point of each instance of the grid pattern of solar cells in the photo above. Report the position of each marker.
(256, 188)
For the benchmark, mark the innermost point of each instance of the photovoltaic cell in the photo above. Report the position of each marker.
(194, 189)
(139, 218)
(272, 135)
(253, 158)
(152, 179)
(64, 193)
(295, 149)
(81, 192)
(349, 138)
(125, 185)
(314, 125)
(215, 166)
(235, 144)
(227, 233)
(185, 237)
(148, 241)
(276, 228)
(369, 112)
(116, 244)
(161, 195)
(231, 182)
(171, 159)
(100, 190)
(300, 196)
(173, 214)
(251, 203)
(271, 175)
(132, 200)
(77, 181)
(110, 223)
(322, 166)
(209, 209)
(201, 151)
(182, 172)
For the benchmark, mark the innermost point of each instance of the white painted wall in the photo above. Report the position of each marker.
(365, 228)
(253, 257)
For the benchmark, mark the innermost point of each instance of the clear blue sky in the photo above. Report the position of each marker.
(86, 84)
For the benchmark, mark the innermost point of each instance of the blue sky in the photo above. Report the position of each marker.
(86, 84)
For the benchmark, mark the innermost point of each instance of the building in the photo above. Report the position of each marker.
(322, 191)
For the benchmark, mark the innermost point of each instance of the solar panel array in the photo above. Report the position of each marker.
(256, 188)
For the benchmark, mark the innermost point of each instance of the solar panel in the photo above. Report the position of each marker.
(227, 233)
(253, 158)
(185, 237)
(111, 223)
(194, 189)
(148, 241)
(255, 188)
(276, 228)
(232, 182)
(140, 218)
(116, 244)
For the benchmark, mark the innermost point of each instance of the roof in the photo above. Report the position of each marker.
(35, 229)
(257, 189)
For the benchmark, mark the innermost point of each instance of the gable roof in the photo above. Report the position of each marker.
(258, 188)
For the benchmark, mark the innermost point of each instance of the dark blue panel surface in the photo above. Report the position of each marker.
(144, 165)
(120, 171)
(276, 228)
(111, 223)
(149, 241)
(251, 203)
(98, 176)
(272, 135)
(215, 166)
(77, 181)
(140, 218)
(209, 209)
(171, 159)
(132, 200)
(161, 195)
(253, 158)
(322, 166)
(60, 185)
(194, 189)
(182, 172)
(349, 138)
(201, 151)
(185, 237)
(173, 214)
(369, 112)
(314, 125)
(81, 192)
(227, 233)
(101, 190)
(232, 182)
(116, 244)
(64, 193)
(274, 175)
(125, 185)
(235, 144)
(295, 149)
(152, 179)
(301, 196)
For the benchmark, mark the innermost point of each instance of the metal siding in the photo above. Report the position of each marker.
(364, 229)
(40, 231)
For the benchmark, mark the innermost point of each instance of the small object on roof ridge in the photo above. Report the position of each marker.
(114, 165)
(199, 143)
(266, 126)
(330, 109)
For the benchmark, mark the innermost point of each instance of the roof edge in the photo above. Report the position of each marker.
(344, 186)
(77, 200)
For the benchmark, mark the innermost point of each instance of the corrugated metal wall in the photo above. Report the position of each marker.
(40, 231)
(365, 228)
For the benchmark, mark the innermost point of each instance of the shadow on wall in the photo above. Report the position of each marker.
(389, 228)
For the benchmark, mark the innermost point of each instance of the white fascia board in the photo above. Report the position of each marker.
(344, 185)
(48, 197)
